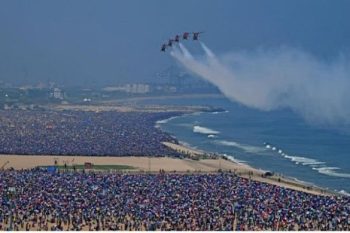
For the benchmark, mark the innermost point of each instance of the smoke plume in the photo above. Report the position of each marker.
(280, 78)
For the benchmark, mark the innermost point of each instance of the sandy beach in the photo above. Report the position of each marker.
(155, 164)
(247, 171)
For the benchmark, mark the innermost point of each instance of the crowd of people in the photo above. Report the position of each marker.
(83, 133)
(40, 200)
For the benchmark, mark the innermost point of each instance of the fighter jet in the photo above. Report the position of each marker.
(177, 38)
(170, 42)
(163, 48)
(196, 35)
(185, 35)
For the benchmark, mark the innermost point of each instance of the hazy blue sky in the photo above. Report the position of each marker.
(107, 42)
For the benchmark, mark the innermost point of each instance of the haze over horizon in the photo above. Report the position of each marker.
(94, 43)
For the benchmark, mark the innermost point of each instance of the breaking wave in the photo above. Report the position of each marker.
(330, 171)
(344, 193)
(233, 159)
(166, 120)
(246, 148)
(303, 160)
(319, 166)
(216, 112)
(204, 130)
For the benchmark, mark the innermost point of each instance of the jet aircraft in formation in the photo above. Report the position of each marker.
(185, 36)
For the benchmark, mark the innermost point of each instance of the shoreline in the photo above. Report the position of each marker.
(256, 174)
(143, 164)
(247, 171)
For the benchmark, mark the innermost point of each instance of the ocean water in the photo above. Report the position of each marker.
(278, 141)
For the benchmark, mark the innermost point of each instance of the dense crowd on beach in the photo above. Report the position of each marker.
(83, 133)
(40, 200)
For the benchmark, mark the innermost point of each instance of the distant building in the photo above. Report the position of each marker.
(26, 87)
(166, 88)
(135, 88)
(57, 93)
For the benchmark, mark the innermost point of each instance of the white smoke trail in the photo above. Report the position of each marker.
(207, 50)
(268, 80)
(186, 53)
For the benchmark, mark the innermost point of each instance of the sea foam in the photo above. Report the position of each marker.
(246, 148)
(344, 193)
(331, 171)
(233, 159)
(204, 130)
(319, 166)
(165, 120)
(303, 160)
